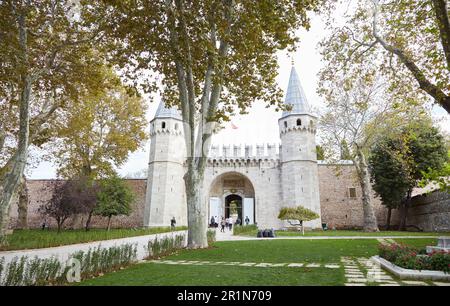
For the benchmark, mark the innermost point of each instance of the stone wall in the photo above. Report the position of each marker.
(339, 210)
(429, 211)
(39, 192)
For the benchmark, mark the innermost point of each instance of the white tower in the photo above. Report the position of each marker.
(299, 172)
(165, 197)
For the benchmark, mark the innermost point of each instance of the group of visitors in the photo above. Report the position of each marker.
(226, 223)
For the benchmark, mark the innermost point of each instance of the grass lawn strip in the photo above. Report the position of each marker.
(38, 239)
(213, 266)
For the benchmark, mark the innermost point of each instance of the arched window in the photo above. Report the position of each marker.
(285, 124)
(176, 126)
(163, 125)
(299, 122)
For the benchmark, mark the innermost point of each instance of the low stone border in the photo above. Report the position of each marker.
(403, 273)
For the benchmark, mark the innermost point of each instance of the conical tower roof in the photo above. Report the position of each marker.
(295, 96)
(164, 112)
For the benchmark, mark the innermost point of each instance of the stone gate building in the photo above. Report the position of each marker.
(260, 179)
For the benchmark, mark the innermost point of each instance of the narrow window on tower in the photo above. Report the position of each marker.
(163, 125)
(352, 192)
(285, 124)
(299, 122)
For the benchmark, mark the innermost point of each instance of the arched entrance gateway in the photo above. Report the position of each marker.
(228, 188)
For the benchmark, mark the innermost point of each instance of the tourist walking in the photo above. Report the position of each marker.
(212, 221)
(222, 225)
(216, 221)
(172, 223)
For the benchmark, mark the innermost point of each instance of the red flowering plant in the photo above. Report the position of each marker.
(413, 258)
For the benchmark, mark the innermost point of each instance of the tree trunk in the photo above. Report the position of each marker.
(404, 215)
(22, 209)
(88, 221)
(370, 221)
(197, 226)
(401, 225)
(77, 221)
(19, 160)
(109, 223)
(388, 220)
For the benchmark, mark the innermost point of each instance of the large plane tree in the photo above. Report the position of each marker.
(213, 57)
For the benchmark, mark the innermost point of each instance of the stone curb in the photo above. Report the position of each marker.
(409, 273)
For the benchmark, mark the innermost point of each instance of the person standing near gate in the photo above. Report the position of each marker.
(227, 223)
(247, 220)
(172, 223)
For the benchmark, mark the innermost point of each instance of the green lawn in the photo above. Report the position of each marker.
(256, 251)
(350, 233)
(36, 238)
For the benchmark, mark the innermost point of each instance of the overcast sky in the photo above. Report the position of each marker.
(260, 125)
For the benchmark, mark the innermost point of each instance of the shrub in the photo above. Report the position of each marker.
(412, 258)
(244, 229)
(26, 272)
(167, 245)
(440, 261)
(43, 271)
(297, 213)
(99, 260)
(211, 234)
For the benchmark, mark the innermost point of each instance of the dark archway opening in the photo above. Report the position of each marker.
(238, 200)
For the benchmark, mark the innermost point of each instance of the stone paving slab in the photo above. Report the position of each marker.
(247, 264)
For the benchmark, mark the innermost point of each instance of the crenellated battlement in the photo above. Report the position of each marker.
(263, 151)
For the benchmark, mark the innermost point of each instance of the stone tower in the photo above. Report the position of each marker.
(165, 196)
(299, 172)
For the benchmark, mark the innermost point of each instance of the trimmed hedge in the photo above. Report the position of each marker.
(244, 229)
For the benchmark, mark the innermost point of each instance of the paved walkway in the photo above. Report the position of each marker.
(228, 236)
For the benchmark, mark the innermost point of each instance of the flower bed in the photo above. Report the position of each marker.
(415, 259)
